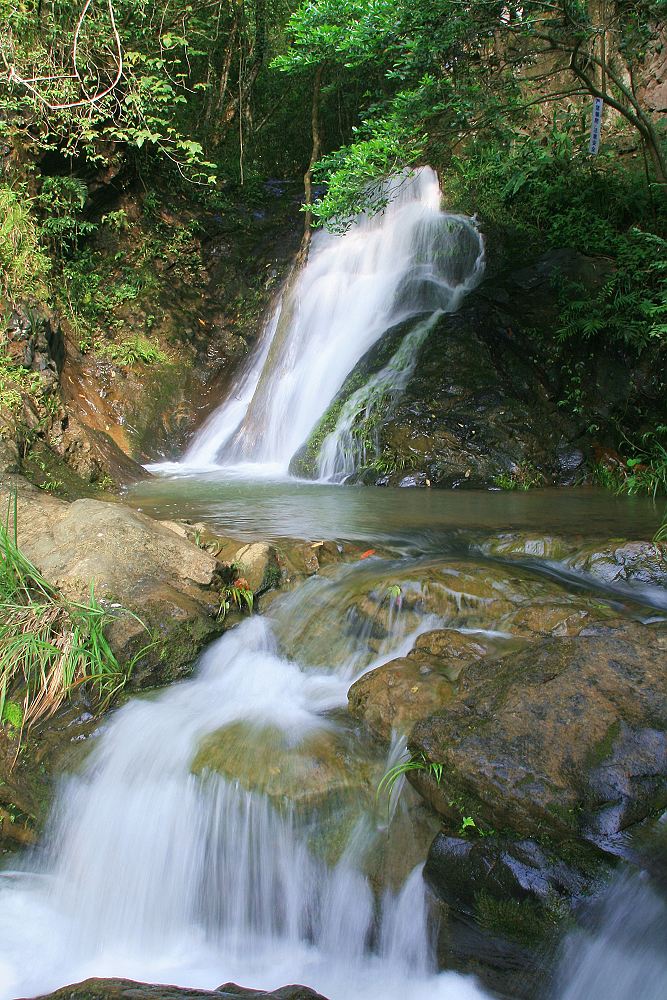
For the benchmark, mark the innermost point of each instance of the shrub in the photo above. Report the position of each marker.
(23, 265)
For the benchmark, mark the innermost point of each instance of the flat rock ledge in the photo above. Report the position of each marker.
(162, 576)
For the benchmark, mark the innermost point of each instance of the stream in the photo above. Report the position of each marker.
(228, 828)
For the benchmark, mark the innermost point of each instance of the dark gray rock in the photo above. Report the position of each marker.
(127, 989)
(460, 871)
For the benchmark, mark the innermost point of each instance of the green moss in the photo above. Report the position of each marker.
(603, 748)
(46, 469)
(523, 921)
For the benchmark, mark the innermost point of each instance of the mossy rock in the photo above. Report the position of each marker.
(564, 740)
(317, 771)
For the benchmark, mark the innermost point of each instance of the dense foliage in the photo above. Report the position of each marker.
(211, 97)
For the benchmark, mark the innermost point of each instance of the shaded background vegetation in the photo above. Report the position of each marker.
(125, 131)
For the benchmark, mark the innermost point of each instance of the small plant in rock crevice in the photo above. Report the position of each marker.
(236, 594)
(522, 477)
(399, 770)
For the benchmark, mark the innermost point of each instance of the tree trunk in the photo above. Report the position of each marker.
(314, 157)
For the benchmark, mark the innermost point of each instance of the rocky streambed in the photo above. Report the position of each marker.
(524, 669)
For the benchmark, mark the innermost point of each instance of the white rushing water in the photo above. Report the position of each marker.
(623, 956)
(152, 872)
(412, 259)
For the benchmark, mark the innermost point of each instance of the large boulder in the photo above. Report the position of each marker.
(513, 888)
(317, 770)
(392, 697)
(322, 776)
(133, 563)
(127, 989)
(564, 740)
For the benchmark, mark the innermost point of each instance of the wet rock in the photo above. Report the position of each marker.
(513, 888)
(134, 563)
(394, 696)
(397, 694)
(417, 479)
(449, 650)
(565, 618)
(297, 560)
(310, 772)
(19, 801)
(636, 563)
(569, 465)
(55, 745)
(517, 544)
(127, 989)
(560, 740)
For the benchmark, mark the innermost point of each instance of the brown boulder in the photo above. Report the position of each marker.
(127, 989)
(563, 739)
(133, 563)
(394, 696)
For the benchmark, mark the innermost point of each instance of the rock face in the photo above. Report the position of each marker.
(397, 694)
(133, 562)
(126, 989)
(481, 404)
(564, 740)
(484, 404)
(509, 886)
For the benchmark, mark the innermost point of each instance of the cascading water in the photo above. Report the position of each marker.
(156, 870)
(623, 954)
(346, 448)
(410, 261)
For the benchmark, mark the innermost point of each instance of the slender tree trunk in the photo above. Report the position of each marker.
(314, 157)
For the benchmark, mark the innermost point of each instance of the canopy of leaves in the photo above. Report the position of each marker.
(448, 69)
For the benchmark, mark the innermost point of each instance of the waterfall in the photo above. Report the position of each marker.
(413, 259)
(157, 870)
(353, 442)
(621, 956)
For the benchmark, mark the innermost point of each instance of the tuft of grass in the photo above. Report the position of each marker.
(49, 646)
(131, 352)
(523, 477)
(421, 763)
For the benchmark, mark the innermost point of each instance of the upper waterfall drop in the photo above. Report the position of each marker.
(410, 260)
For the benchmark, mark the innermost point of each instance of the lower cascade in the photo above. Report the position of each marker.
(412, 259)
(156, 867)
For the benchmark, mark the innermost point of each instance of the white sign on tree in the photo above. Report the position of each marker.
(596, 126)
